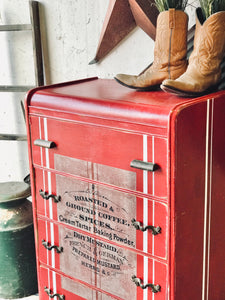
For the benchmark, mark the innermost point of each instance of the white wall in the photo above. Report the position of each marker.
(70, 34)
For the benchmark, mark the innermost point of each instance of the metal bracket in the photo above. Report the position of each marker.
(48, 292)
(144, 165)
(46, 196)
(155, 288)
(138, 226)
(48, 247)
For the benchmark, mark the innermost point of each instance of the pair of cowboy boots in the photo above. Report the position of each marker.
(170, 70)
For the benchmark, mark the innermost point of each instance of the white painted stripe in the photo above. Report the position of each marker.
(43, 177)
(50, 205)
(145, 215)
(40, 137)
(145, 222)
(48, 165)
(41, 153)
(54, 284)
(210, 199)
(50, 199)
(46, 225)
(49, 278)
(52, 242)
(145, 190)
(153, 215)
(153, 193)
(153, 161)
(206, 198)
(145, 291)
(46, 138)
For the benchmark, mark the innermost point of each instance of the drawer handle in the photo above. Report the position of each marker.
(46, 196)
(48, 247)
(48, 291)
(44, 143)
(155, 287)
(144, 165)
(138, 226)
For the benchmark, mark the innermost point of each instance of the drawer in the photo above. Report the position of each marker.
(101, 154)
(114, 215)
(105, 266)
(66, 289)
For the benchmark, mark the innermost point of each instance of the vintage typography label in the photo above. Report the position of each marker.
(96, 209)
(106, 266)
(102, 173)
(83, 291)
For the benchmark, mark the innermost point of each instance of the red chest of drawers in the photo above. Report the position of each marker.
(128, 192)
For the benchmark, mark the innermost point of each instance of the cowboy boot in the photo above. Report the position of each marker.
(203, 72)
(169, 53)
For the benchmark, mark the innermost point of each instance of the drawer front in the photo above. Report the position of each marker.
(66, 289)
(117, 216)
(101, 154)
(100, 264)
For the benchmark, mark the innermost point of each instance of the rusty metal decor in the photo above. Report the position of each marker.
(121, 18)
(145, 14)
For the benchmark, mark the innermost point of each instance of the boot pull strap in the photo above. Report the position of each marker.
(172, 18)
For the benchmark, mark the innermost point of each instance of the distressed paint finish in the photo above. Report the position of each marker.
(99, 127)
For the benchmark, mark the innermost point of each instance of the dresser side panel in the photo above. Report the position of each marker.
(215, 272)
(188, 142)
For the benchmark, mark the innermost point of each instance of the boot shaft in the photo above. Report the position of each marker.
(209, 43)
(169, 52)
(171, 40)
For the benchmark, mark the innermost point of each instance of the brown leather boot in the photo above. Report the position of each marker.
(169, 53)
(203, 72)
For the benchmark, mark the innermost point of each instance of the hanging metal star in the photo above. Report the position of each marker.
(121, 18)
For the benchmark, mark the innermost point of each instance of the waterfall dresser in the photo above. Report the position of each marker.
(128, 192)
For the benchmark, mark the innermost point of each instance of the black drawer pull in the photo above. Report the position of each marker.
(138, 226)
(46, 196)
(155, 288)
(48, 247)
(143, 165)
(48, 292)
(44, 143)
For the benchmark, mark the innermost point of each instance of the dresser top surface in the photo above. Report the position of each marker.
(105, 97)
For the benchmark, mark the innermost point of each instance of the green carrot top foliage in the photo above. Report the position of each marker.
(163, 5)
(209, 7)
